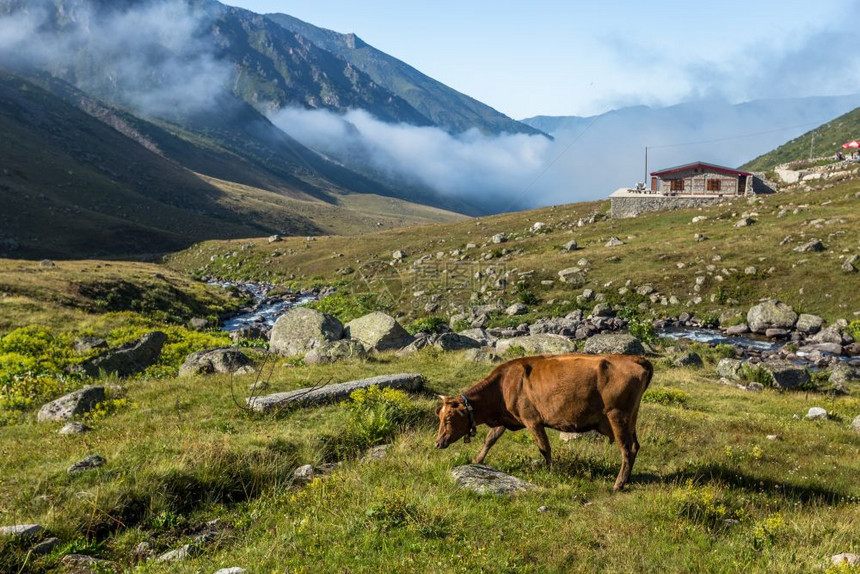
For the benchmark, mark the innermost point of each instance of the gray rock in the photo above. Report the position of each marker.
(274, 238)
(377, 452)
(846, 558)
(777, 333)
(481, 356)
(91, 462)
(71, 405)
(128, 359)
(516, 309)
(828, 335)
(572, 276)
(46, 263)
(614, 242)
(808, 324)
(614, 343)
(602, 310)
(570, 245)
(814, 245)
(222, 360)
(399, 255)
(21, 530)
(301, 329)
(231, 570)
(785, 374)
(744, 222)
(455, 342)
(198, 323)
(817, 413)
(569, 436)
(73, 428)
(755, 387)
(499, 238)
(480, 335)
(543, 344)
(855, 424)
(333, 393)
(46, 546)
(737, 329)
(485, 480)
(83, 564)
(730, 369)
(184, 553)
(688, 359)
(844, 373)
(378, 332)
(87, 344)
(304, 474)
(333, 351)
(770, 314)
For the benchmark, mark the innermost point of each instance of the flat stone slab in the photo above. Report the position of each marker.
(485, 480)
(20, 530)
(332, 393)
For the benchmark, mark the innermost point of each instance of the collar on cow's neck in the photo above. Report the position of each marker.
(473, 430)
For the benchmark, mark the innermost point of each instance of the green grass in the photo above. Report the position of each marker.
(185, 454)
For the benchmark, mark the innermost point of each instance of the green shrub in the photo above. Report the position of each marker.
(666, 397)
(642, 329)
(432, 324)
(702, 505)
(854, 329)
(526, 296)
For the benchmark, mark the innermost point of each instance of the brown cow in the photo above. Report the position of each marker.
(571, 393)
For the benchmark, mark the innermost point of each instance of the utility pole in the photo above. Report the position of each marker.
(645, 179)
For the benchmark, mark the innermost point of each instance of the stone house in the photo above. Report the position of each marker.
(700, 178)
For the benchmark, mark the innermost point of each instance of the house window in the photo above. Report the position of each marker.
(714, 185)
(677, 185)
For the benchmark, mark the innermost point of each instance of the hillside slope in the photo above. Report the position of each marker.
(83, 179)
(446, 107)
(824, 140)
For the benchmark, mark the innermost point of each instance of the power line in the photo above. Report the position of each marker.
(733, 137)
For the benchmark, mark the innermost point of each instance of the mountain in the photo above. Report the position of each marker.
(81, 178)
(445, 107)
(824, 140)
(600, 153)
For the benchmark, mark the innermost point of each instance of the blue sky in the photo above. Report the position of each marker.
(549, 57)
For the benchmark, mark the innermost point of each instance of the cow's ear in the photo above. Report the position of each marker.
(443, 397)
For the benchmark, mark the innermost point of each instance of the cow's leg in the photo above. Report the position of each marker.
(542, 441)
(623, 434)
(491, 439)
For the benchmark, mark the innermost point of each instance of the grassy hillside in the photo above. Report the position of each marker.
(726, 481)
(80, 178)
(661, 250)
(824, 140)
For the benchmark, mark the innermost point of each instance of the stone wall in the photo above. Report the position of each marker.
(623, 207)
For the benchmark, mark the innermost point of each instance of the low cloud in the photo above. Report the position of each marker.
(155, 57)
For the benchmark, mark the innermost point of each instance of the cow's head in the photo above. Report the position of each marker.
(456, 421)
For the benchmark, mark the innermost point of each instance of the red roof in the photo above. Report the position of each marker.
(703, 166)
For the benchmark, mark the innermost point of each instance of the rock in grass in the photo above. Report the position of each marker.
(542, 344)
(72, 404)
(333, 393)
(614, 343)
(183, 553)
(128, 359)
(730, 369)
(485, 480)
(333, 351)
(785, 374)
(231, 570)
(378, 332)
(846, 558)
(810, 246)
(222, 360)
(73, 428)
(20, 530)
(89, 463)
(770, 314)
(816, 413)
(855, 424)
(45, 546)
(82, 564)
(301, 329)
(843, 373)
(688, 359)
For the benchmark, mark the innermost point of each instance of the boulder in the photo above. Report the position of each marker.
(737, 329)
(602, 310)
(688, 359)
(845, 559)
(516, 309)
(301, 329)
(73, 428)
(771, 314)
(83, 564)
(455, 342)
(614, 242)
(481, 356)
(128, 359)
(333, 393)
(182, 553)
(730, 369)
(570, 245)
(71, 405)
(810, 246)
(198, 323)
(21, 530)
(378, 332)
(808, 324)
(231, 570)
(89, 463)
(817, 413)
(499, 238)
(45, 546)
(544, 344)
(480, 335)
(855, 424)
(399, 255)
(333, 351)
(88, 344)
(614, 343)
(221, 360)
(828, 335)
(843, 373)
(572, 276)
(485, 480)
(785, 374)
